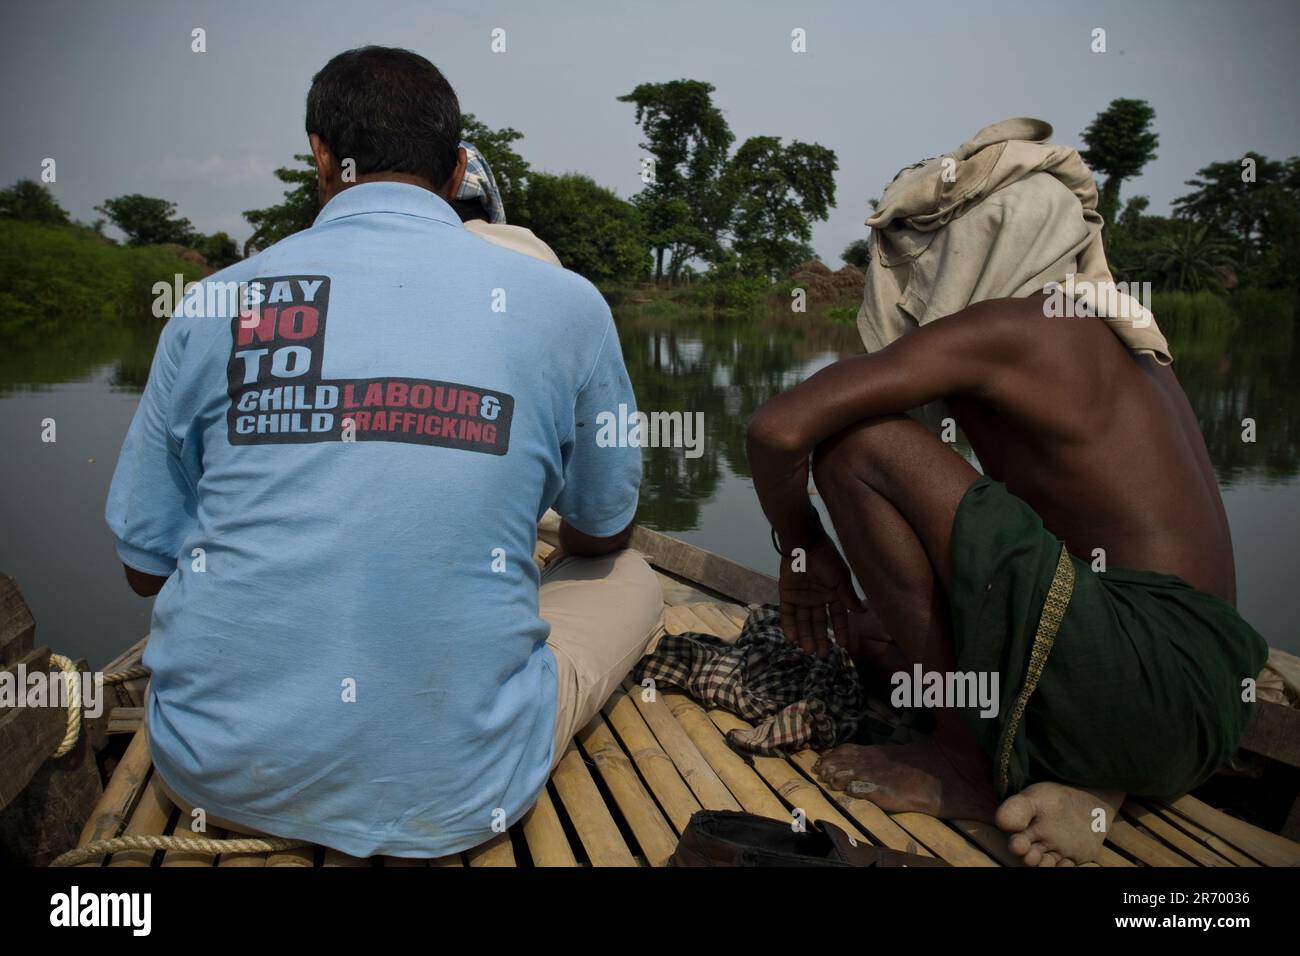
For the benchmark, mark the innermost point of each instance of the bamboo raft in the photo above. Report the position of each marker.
(630, 780)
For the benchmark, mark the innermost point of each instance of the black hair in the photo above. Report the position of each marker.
(388, 110)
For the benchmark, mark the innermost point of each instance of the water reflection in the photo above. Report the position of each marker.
(86, 375)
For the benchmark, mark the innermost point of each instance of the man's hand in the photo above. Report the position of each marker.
(821, 593)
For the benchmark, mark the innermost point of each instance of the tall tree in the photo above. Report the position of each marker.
(508, 168)
(1248, 197)
(31, 201)
(295, 213)
(685, 207)
(1120, 142)
(780, 192)
(147, 220)
(593, 231)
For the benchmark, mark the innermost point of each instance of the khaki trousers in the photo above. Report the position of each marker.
(603, 613)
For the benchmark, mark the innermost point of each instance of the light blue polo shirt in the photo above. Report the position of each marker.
(339, 462)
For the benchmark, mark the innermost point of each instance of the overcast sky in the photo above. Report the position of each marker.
(111, 90)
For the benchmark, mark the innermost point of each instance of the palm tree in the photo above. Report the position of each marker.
(1190, 259)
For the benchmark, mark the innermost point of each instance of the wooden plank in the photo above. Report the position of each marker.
(150, 818)
(650, 758)
(444, 861)
(1108, 857)
(653, 834)
(17, 625)
(1168, 833)
(740, 778)
(677, 591)
(128, 658)
(690, 763)
(717, 623)
(726, 577)
(587, 811)
(945, 842)
(679, 619)
(28, 735)
(497, 851)
(791, 785)
(1268, 848)
(737, 614)
(1225, 850)
(335, 858)
(548, 844)
(125, 720)
(1275, 733)
(874, 821)
(122, 793)
(1143, 847)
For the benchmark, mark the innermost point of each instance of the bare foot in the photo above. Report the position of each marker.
(901, 777)
(1051, 824)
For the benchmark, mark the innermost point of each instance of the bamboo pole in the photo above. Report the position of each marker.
(150, 818)
(793, 787)
(694, 768)
(655, 765)
(874, 820)
(655, 837)
(588, 813)
(1153, 823)
(739, 778)
(497, 851)
(114, 808)
(1219, 846)
(1141, 845)
(548, 844)
(1269, 848)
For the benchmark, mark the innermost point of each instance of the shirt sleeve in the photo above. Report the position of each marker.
(602, 473)
(151, 502)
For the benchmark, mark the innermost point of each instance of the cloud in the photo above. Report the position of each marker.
(218, 170)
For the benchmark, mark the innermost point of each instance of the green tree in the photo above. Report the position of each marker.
(296, 213)
(780, 192)
(857, 253)
(508, 168)
(1190, 259)
(1260, 211)
(593, 231)
(1120, 142)
(685, 206)
(30, 201)
(218, 249)
(147, 221)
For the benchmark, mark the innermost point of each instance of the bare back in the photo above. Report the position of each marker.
(1104, 446)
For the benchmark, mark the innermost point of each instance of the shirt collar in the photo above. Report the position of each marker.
(402, 198)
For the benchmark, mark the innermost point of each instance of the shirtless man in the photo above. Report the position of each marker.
(1127, 680)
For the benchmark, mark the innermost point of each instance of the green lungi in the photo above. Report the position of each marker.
(1120, 679)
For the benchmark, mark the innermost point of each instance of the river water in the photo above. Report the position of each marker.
(52, 495)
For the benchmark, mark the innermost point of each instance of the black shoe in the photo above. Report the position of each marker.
(727, 838)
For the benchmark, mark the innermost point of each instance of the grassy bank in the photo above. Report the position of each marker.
(55, 277)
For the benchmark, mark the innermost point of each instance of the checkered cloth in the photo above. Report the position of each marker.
(797, 699)
(480, 184)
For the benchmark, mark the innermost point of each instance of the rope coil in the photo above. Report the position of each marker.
(91, 851)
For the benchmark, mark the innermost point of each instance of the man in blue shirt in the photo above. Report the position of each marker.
(333, 483)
